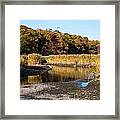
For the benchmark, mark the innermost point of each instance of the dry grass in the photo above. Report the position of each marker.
(75, 59)
(31, 59)
(34, 59)
(23, 60)
(82, 59)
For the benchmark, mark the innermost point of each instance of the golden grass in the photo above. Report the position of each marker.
(23, 60)
(79, 59)
(34, 59)
(72, 59)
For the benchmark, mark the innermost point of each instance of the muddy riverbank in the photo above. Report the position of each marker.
(60, 91)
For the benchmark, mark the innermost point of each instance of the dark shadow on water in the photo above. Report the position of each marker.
(57, 74)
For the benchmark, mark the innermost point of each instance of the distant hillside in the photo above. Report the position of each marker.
(48, 42)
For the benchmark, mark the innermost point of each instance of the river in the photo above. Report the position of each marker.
(58, 83)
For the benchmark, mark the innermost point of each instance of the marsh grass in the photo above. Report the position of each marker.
(82, 59)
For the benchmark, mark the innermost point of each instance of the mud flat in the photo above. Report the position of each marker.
(60, 91)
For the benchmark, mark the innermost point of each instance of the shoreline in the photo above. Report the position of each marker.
(36, 69)
(83, 65)
(60, 91)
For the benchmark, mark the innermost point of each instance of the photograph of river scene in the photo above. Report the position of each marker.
(60, 60)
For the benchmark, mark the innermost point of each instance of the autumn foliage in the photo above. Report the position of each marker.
(49, 42)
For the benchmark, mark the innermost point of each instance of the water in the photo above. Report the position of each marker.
(59, 74)
(61, 83)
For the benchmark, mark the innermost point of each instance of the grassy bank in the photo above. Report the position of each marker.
(86, 60)
(80, 60)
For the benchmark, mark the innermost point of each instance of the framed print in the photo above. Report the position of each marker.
(60, 59)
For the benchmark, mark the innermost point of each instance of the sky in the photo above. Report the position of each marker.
(84, 28)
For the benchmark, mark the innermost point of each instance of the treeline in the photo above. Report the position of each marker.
(48, 42)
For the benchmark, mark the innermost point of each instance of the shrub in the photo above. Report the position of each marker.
(34, 59)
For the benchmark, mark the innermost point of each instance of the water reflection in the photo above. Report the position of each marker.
(57, 73)
(31, 79)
